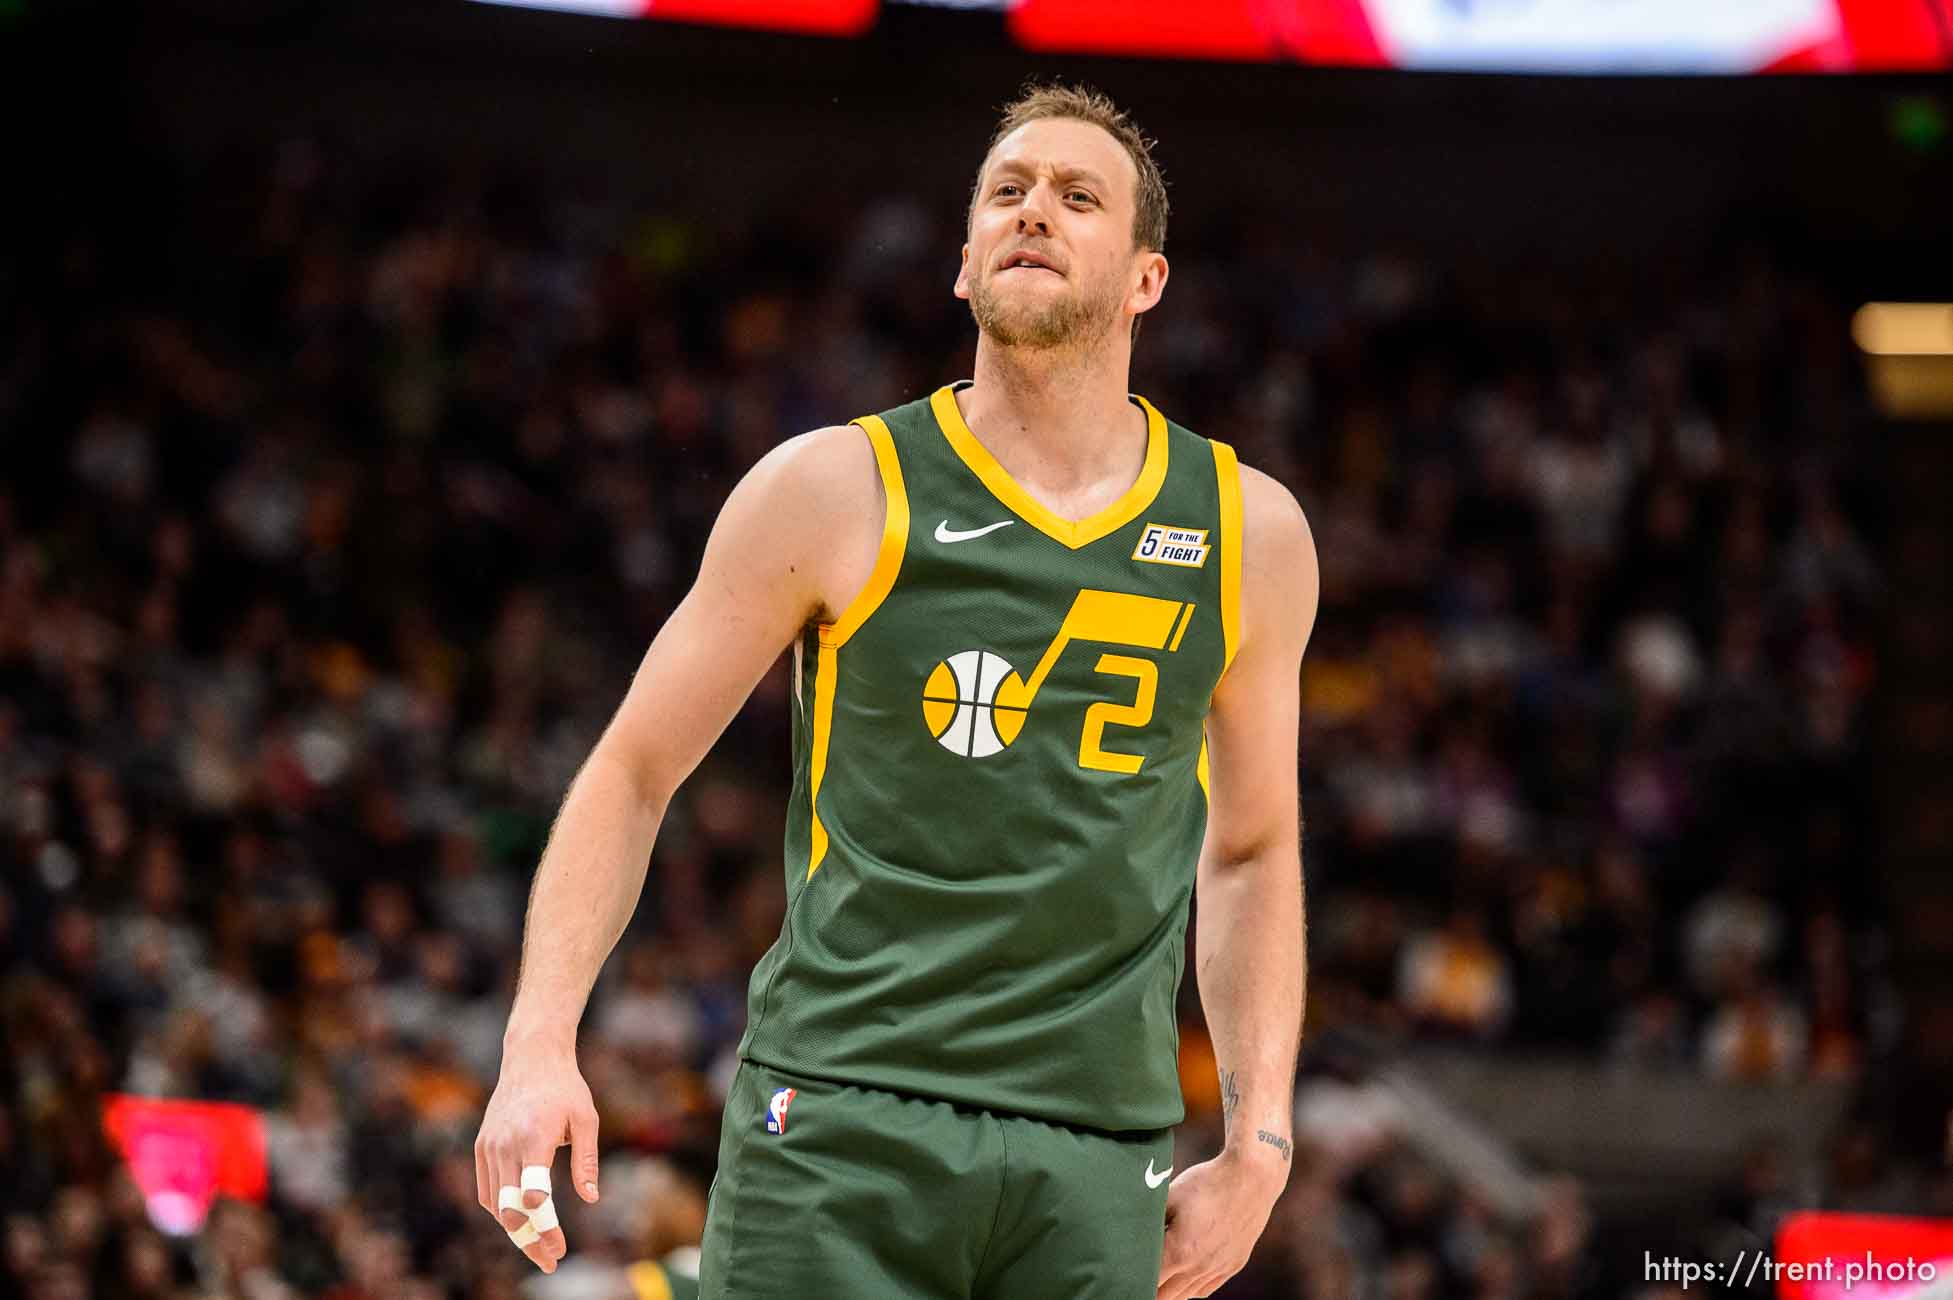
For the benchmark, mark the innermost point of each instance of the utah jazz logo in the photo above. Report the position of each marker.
(959, 702)
(975, 703)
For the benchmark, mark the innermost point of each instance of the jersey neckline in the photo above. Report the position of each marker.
(1073, 533)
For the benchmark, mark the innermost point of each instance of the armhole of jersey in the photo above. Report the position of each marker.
(1227, 473)
(888, 563)
(895, 537)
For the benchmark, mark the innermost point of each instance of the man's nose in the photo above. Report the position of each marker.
(1030, 213)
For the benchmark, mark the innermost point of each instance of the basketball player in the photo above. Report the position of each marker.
(1046, 646)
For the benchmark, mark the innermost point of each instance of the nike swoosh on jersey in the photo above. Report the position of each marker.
(1153, 1179)
(944, 533)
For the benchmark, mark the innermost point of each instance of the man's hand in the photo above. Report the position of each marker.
(541, 1102)
(1215, 1212)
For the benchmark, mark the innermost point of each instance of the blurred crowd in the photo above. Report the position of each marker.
(340, 504)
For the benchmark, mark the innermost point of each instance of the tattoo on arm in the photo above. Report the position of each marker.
(1277, 1141)
(1230, 1099)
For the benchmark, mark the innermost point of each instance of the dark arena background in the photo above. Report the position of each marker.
(371, 372)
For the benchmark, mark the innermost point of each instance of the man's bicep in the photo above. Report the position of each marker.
(762, 579)
(1254, 719)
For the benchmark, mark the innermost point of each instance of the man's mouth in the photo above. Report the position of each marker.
(1028, 262)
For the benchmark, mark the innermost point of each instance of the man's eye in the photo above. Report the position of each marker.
(1005, 186)
(1082, 196)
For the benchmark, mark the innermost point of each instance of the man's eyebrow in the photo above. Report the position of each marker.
(1067, 173)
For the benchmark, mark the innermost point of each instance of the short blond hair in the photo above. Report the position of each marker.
(1084, 104)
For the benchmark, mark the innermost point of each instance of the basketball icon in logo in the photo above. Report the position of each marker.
(974, 704)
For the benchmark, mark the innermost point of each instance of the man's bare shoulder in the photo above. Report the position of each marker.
(1280, 580)
(823, 471)
(1272, 520)
(819, 495)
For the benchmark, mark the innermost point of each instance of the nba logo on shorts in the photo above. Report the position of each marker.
(776, 1110)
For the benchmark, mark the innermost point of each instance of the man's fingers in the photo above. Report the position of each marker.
(510, 1210)
(502, 1175)
(583, 1153)
(1180, 1268)
(535, 1185)
(526, 1234)
(484, 1179)
(1173, 1256)
(1175, 1274)
(1190, 1284)
(538, 1233)
(538, 1253)
(549, 1244)
(518, 1196)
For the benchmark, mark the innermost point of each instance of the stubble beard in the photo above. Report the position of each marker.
(1067, 321)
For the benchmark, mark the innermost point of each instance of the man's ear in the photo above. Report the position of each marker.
(962, 287)
(1152, 283)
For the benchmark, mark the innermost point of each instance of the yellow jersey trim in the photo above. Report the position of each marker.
(825, 670)
(888, 563)
(895, 537)
(648, 1281)
(1227, 471)
(1072, 532)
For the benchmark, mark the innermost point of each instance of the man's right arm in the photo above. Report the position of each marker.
(795, 540)
(769, 567)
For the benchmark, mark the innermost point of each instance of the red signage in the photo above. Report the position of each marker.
(811, 17)
(823, 17)
(1549, 36)
(185, 1154)
(1864, 1256)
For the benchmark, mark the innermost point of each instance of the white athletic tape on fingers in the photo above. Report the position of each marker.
(534, 1222)
(537, 1221)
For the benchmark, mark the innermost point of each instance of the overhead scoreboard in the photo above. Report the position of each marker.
(1727, 37)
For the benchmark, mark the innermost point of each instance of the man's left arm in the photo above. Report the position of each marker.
(1249, 931)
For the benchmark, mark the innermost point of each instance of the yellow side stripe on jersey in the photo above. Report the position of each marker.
(1227, 472)
(1200, 767)
(888, 563)
(824, 673)
(895, 537)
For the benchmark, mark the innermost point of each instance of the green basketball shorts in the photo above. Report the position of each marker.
(827, 1191)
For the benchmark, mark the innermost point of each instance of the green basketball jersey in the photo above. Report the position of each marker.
(999, 785)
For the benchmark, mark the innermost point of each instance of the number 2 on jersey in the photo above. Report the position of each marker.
(1118, 618)
(1099, 716)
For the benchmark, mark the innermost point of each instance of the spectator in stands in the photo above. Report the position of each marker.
(1454, 979)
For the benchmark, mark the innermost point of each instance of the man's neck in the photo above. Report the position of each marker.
(1057, 419)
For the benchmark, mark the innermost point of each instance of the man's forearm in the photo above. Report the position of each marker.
(584, 892)
(1250, 937)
